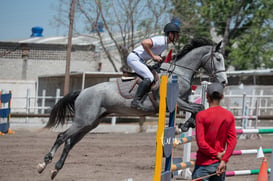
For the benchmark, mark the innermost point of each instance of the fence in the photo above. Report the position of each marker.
(36, 104)
(258, 101)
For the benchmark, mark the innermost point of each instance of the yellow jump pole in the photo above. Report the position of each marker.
(160, 128)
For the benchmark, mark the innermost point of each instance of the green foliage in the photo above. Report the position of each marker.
(253, 50)
(246, 28)
(193, 25)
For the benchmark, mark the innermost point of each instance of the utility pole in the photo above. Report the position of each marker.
(69, 46)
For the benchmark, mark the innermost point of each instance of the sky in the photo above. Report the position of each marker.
(17, 17)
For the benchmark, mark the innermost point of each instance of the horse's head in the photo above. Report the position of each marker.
(214, 64)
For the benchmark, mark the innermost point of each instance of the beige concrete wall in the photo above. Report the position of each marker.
(44, 59)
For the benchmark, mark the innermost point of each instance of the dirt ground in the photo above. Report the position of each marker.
(102, 157)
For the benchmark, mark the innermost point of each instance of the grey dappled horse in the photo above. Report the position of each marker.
(93, 103)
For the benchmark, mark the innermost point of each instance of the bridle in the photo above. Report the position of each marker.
(212, 64)
(210, 60)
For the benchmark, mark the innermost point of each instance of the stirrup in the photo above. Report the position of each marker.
(135, 104)
(123, 78)
(138, 105)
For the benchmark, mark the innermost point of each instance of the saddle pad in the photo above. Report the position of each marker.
(127, 89)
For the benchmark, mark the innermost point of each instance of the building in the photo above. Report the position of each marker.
(23, 63)
(29, 66)
(28, 59)
(247, 77)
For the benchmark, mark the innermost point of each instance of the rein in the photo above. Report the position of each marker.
(209, 59)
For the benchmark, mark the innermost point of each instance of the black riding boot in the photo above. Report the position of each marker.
(143, 88)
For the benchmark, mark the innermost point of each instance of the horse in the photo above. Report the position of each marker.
(88, 106)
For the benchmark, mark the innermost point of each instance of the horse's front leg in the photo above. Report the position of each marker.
(193, 108)
(189, 107)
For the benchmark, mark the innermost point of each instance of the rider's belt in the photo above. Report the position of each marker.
(141, 59)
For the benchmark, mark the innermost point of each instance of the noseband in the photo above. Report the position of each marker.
(214, 71)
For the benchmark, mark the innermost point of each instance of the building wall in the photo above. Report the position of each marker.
(28, 61)
(21, 65)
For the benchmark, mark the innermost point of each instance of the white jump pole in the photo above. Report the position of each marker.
(271, 173)
(186, 173)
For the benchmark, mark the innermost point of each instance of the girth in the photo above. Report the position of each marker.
(128, 88)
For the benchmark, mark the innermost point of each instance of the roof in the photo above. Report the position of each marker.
(76, 40)
(88, 74)
(88, 39)
(101, 76)
(119, 74)
(251, 72)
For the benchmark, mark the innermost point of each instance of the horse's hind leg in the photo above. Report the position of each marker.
(69, 143)
(49, 156)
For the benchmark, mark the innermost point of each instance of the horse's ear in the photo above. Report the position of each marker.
(218, 46)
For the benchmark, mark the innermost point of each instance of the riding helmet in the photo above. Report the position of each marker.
(171, 27)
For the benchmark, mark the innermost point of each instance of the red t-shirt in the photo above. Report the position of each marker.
(215, 132)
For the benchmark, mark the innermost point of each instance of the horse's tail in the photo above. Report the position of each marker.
(64, 107)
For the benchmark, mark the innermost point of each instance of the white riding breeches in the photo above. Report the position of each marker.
(139, 67)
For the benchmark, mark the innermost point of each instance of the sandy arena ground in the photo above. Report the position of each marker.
(102, 157)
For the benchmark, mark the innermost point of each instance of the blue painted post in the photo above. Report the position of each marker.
(173, 91)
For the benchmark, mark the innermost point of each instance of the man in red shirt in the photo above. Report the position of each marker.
(215, 137)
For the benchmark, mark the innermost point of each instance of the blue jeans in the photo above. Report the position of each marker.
(201, 171)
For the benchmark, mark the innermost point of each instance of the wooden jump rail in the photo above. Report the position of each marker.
(182, 165)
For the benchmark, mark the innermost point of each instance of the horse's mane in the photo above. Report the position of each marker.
(195, 43)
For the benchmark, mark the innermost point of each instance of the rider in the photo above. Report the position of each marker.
(150, 48)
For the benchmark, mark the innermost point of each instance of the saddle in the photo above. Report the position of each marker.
(128, 84)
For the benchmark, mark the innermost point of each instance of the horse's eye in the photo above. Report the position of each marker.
(218, 58)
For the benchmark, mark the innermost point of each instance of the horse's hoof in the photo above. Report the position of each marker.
(183, 127)
(188, 124)
(191, 123)
(41, 167)
(53, 174)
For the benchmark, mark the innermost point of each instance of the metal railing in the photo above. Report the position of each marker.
(34, 104)
(260, 104)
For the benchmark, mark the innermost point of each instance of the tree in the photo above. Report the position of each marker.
(126, 22)
(245, 28)
(192, 25)
(244, 25)
(253, 47)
